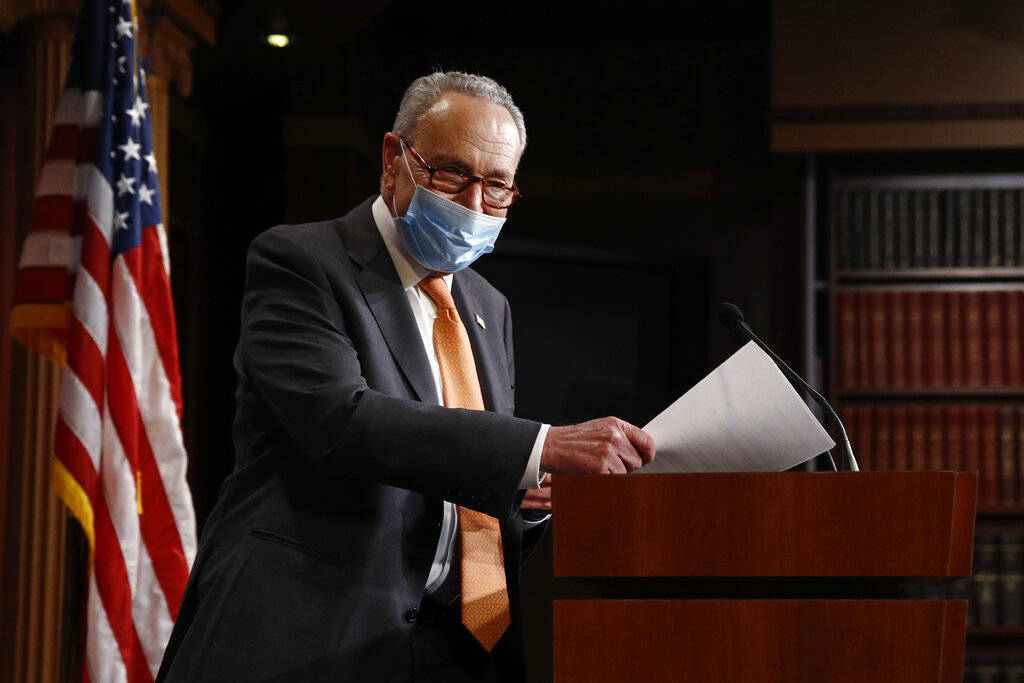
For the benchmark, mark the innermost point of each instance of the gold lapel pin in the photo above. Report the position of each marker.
(480, 321)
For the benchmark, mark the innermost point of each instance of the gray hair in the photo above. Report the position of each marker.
(425, 90)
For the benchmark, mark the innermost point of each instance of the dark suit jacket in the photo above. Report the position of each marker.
(323, 536)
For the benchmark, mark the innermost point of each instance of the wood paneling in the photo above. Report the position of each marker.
(759, 641)
(826, 524)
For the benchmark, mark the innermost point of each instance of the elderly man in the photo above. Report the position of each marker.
(384, 494)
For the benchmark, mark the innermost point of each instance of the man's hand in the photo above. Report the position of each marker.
(539, 499)
(604, 446)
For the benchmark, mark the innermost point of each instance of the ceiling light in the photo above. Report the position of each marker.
(278, 40)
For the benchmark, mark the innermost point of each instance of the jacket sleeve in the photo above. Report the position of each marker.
(295, 352)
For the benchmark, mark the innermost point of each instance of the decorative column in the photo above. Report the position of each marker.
(32, 519)
(33, 571)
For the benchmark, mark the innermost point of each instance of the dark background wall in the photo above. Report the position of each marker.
(650, 191)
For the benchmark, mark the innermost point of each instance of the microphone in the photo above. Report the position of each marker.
(732, 317)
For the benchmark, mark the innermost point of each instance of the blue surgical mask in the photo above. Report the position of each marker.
(443, 235)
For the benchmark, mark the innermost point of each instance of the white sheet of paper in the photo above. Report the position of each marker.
(744, 416)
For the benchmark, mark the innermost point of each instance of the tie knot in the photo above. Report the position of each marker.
(437, 290)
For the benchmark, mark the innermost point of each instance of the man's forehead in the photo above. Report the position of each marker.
(471, 129)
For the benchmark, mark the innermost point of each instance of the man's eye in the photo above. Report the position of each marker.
(453, 170)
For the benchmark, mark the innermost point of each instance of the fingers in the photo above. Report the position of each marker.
(604, 446)
(641, 441)
(539, 499)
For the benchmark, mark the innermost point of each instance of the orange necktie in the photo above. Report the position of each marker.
(485, 610)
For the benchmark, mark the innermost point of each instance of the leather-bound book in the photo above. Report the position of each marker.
(918, 438)
(879, 339)
(883, 437)
(900, 439)
(1007, 455)
(954, 437)
(915, 337)
(972, 439)
(864, 430)
(864, 367)
(847, 303)
(955, 338)
(897, 339)
(1014, 299)
(988, 493)
(974, 360)
(963, 223)
(937, 458)
(1019, 425)
(995, 370)
(935, 326)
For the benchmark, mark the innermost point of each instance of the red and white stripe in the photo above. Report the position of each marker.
(119, 421)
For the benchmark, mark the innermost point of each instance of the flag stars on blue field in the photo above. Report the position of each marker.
(124, 28)
(136, 189)
(124, 185)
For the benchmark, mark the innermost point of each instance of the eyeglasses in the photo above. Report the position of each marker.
(450, 180)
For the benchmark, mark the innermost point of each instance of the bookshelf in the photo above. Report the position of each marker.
(924, 291)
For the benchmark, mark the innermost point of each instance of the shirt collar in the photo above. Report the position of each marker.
(409, 271)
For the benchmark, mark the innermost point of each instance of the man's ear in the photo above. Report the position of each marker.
(391, 150)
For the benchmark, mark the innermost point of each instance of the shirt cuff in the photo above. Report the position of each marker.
(533, 475)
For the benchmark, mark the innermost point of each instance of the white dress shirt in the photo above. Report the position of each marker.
(424, 311)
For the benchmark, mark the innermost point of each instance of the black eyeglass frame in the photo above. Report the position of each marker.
(470, 179)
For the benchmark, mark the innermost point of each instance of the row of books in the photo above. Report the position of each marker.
(988, 439)
(994, 591)
(990, 669)
(888, 229)
(929, 338)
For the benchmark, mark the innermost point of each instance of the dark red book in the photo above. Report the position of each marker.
(900, 444)
(972, 439)
(847, 302)
(897, 340)
(974, 361)
(1007, 456)
(1012, 317)
(937, 459)
(864, 374)
(935, 333)
(1020, 453)
(918, 439)
(915, 338)
(988, 493)
(954, 437)
(863, 430)
(995, 371)
(879, 340)
(955, 338)
(883, 437)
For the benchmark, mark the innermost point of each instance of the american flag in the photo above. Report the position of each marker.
(93, 294)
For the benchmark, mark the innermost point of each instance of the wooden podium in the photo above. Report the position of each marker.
(778, 577)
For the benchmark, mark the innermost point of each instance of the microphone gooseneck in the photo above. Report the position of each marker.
(732, 318)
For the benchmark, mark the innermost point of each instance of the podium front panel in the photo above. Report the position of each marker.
(786, 524)
(759, 641)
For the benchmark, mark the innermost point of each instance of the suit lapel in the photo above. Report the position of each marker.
(386, 299)
(488, 347)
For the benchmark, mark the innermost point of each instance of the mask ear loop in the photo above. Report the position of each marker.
(394, 207)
